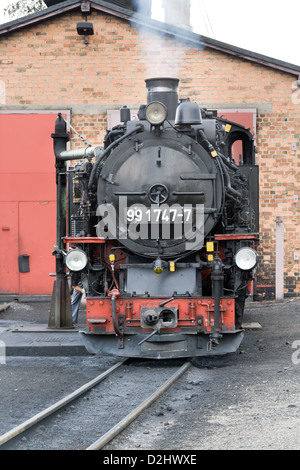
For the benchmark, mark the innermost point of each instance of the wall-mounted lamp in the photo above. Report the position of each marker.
(86, 29)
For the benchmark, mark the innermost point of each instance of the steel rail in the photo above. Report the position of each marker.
(56, 406)
(124, 423)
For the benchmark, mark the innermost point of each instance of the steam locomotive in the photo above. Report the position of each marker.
(162, 229)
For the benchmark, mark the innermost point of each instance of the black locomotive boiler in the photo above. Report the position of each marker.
(162, 229)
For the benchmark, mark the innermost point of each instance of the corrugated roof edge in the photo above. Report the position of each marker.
(164, 28)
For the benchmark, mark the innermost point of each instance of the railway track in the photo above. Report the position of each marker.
(14, 436)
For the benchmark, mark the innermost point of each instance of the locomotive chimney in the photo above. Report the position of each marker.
(178, 13)
(164, 90)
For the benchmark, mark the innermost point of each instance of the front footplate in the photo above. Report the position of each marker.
(162, 346)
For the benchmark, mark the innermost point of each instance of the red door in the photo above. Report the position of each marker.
(36, 240)
(9, 239)
(27, 203)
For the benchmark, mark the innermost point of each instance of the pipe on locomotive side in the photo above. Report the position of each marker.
(80, 153)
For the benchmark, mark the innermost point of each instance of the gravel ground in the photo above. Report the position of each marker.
(248, 400)
(86, 419)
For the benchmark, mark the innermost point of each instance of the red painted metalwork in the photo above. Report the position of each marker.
(236, 236)
(99, 312)
(91, 240)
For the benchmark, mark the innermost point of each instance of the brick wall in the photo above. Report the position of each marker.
(48, 65)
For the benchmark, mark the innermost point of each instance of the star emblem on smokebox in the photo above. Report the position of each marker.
(158, 194)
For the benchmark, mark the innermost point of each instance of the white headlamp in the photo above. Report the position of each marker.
(246, 258)
(76, 260)
(156, 113)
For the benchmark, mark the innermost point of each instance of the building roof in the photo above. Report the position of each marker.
(117, 8)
